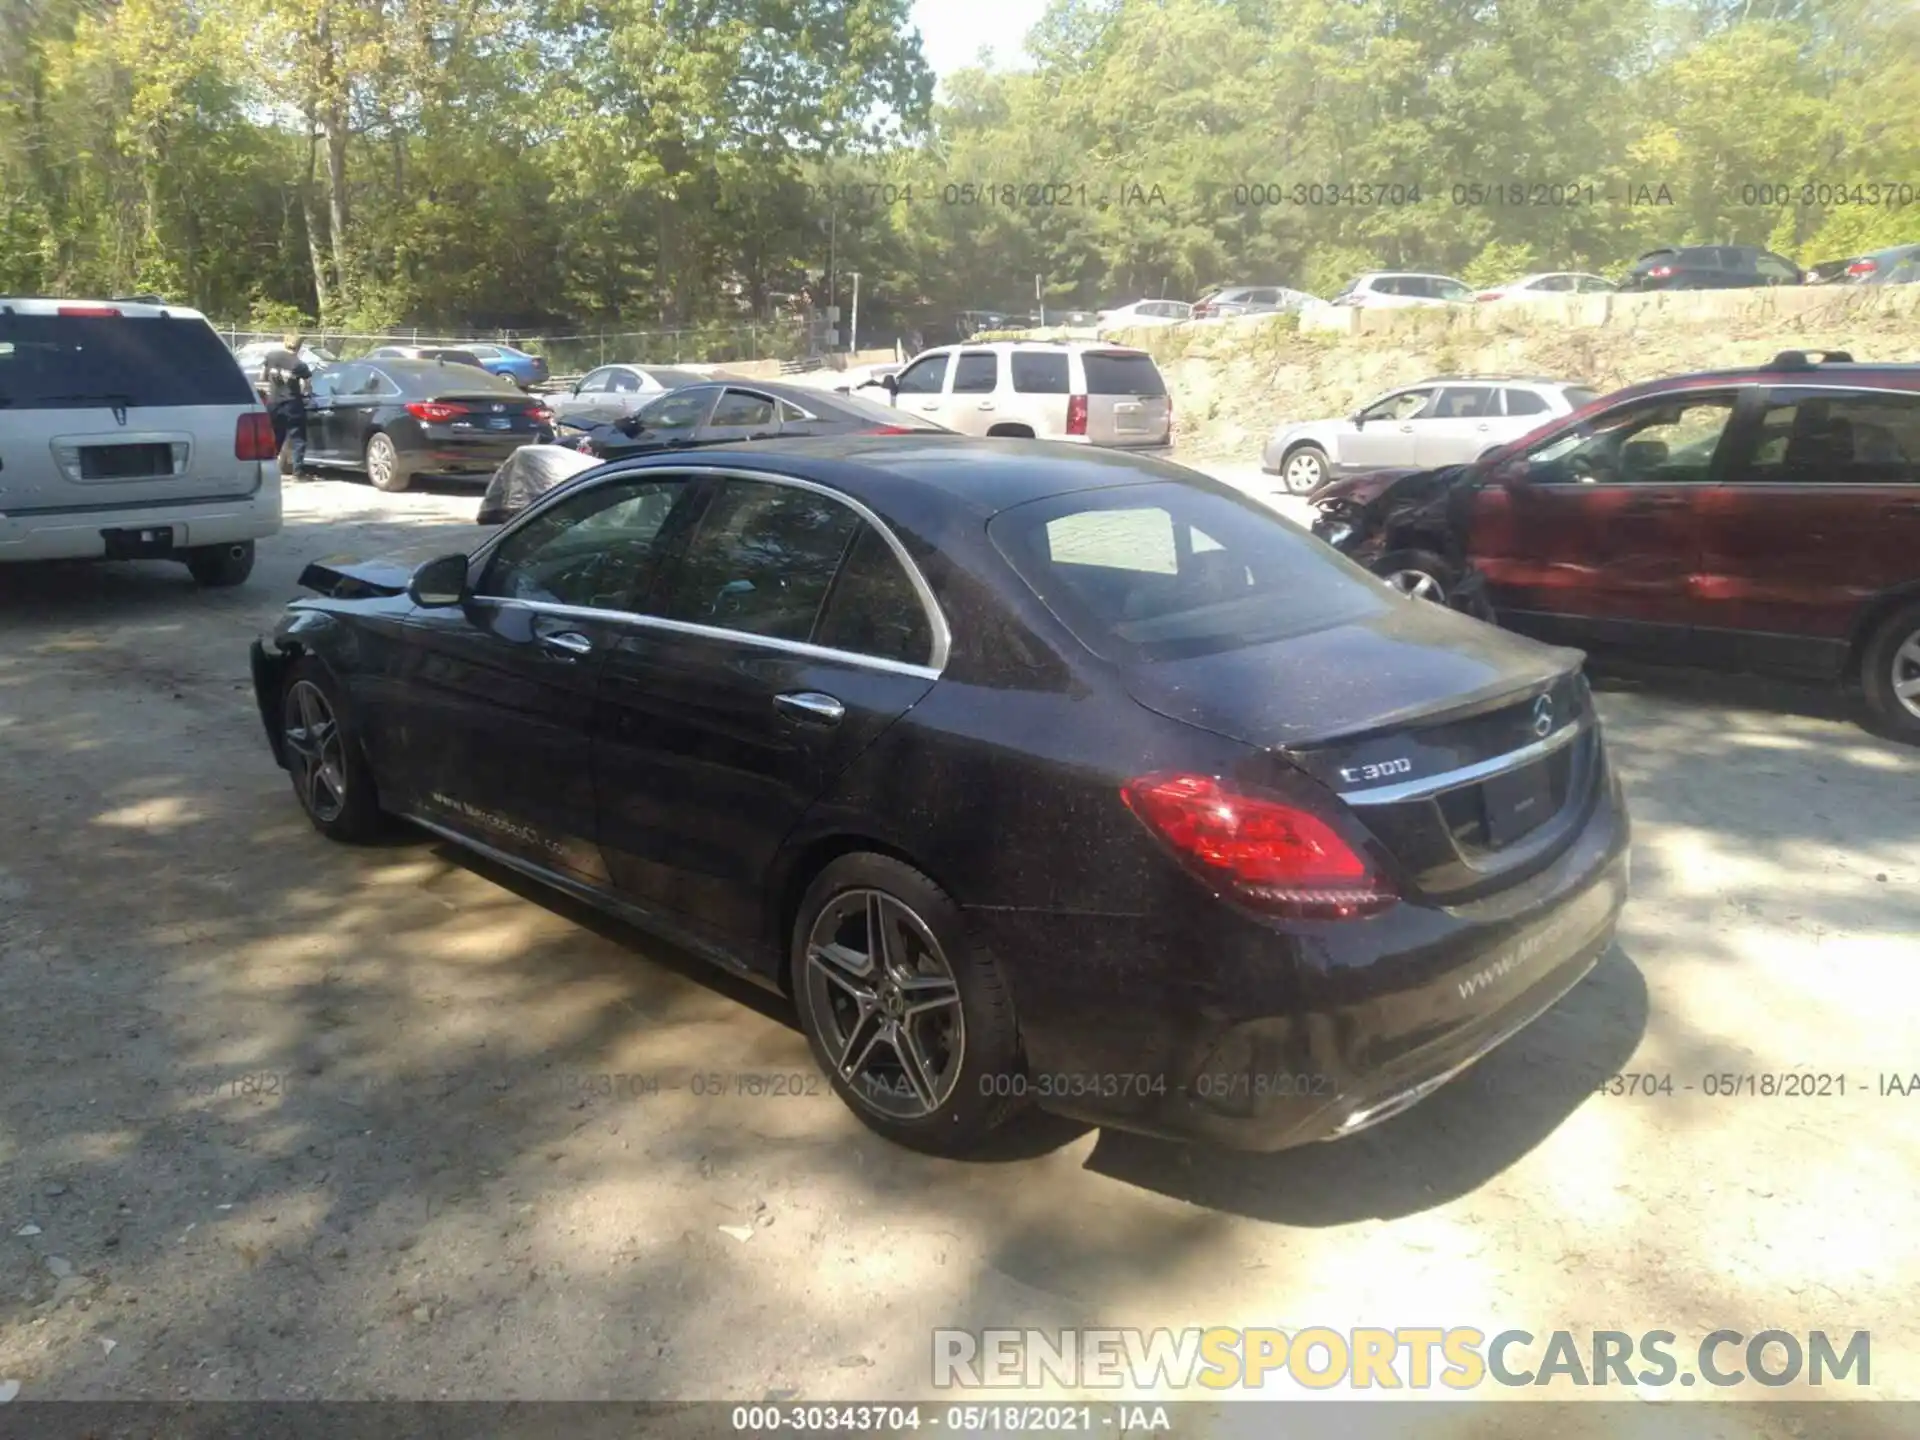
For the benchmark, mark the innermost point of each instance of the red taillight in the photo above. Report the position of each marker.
(1264, 853)
(95, 311)
(1489, 295)
(1076, 414)
(1862, 267)
(435, 412)
(1660, 272)
(891, 430)
(540, 414)
(253, 437)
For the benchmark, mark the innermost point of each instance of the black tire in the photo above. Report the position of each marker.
(220, 566)
(1406, 570)
(356, 817)
(385, 468)
(970, 1107)
(1303, 469)
(1890, 661)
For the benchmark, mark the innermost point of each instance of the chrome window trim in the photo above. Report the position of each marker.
(1433, 785)
(936, 617)
(711, 632)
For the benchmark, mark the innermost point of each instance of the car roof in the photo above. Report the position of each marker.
(1868, 375)
(985, 477)
(136, 309)
(464, 374)
(1047, 347)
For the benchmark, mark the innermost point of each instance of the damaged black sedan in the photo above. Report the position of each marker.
(1033, 775)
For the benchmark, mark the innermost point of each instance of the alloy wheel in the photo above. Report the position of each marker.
(1906, 675)
(1301, 472)
(380, 461)
(1418, 584)
(886, 1004)
(315, 751)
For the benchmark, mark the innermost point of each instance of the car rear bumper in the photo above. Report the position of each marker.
(79, 533)
(1213, 1026)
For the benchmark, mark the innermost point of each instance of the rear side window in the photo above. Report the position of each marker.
(1040, 374)
(1868, 439)
(1112, 372)
(976, 372)
(86, 362)
(1165, 571)
(1578, 395)
(1525, 402)
(873, 608)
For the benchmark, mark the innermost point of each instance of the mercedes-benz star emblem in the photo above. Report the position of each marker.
(1543, 716)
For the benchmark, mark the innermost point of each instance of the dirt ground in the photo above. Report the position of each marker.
(282, 1119)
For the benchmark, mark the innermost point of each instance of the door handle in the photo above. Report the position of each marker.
(1406, 429)
(812, 706)
(1482, 426)
(567, 644)
(986, 404)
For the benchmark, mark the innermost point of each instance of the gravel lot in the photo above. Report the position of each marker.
(285, 1119)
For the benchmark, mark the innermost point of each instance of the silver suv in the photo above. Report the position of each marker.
(1445, 420)
(128, 432)
(1084, 393)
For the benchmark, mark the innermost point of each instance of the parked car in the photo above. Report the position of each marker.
(1555, 282)
(867, 380)
(1880, 267)
(1711, 267)
(128, 432)
(614, 392)
(1444, 420)
(252, 360)
(1000, 761)
(1389, 290)
(400, 420)
(517, 365)
(452, 355)
(1145, 312)
(697, 416)
(1765, 519)
(1084, 392)
(1228, 300)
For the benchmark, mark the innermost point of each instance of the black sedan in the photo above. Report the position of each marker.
(396, 420)
(717, 413)
(1711, 267)
(1032, 774)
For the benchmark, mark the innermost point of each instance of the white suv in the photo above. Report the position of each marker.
(128, 432)
(1084, 393)
(1448, 420)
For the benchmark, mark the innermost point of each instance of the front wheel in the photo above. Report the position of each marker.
(909, 1017)
(1890, 674)
(1419, 573)
(1303, 468)
(331, 777)
(383, 464)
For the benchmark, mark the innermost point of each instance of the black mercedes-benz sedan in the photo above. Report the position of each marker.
(1033, 774)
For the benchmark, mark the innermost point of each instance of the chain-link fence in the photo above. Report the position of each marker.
(575, 354)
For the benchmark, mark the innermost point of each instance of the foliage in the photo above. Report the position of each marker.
(703, 165)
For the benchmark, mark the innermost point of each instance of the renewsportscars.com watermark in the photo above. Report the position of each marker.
(1410, 1358)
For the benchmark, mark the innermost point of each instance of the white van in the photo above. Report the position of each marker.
(129, 432)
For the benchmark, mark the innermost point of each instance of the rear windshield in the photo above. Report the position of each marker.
(1167, 571)
(86, 362)
(1112, 372)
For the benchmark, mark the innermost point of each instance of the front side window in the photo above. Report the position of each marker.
(1448, 290)
(1407, 405)
(1660, 442)
(761, 560)
(924, 377)
(1166, 571)
(595, 549)
(596, 383)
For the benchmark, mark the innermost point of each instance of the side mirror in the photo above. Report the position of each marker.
(1509, 474)
(892, 383)
(1359, 420)
(439, 583)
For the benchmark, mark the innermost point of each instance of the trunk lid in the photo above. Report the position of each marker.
(1470, 754)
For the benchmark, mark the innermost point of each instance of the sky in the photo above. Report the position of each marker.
(952, 31)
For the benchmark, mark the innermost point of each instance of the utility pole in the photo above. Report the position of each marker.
(853, 325)
(1041, 299)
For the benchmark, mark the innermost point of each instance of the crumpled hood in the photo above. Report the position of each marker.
(347, 577)
(1360, 489)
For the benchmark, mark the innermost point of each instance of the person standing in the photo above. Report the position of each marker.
(286, 375)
